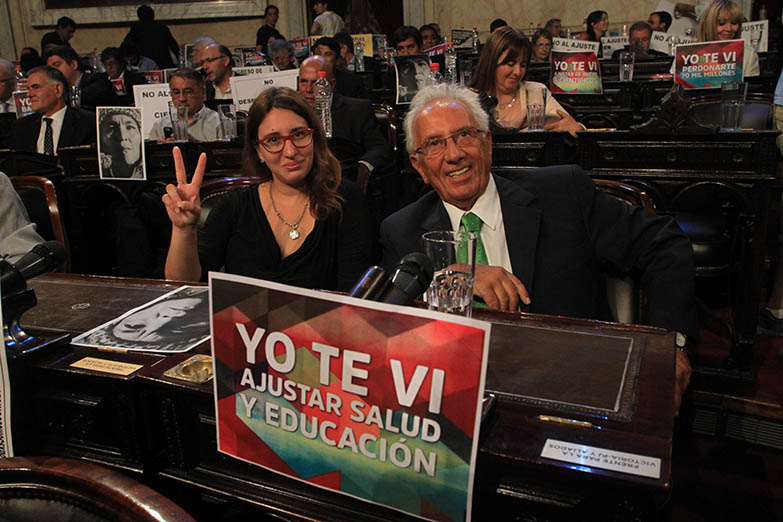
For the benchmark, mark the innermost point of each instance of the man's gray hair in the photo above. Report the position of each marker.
(444, 91)
(280, 48)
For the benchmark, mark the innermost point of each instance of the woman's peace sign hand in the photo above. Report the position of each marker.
(182, 201)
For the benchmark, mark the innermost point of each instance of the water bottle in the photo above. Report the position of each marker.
(358, 48)
(450, 57)
(474, 40)
(323, 102)
(435, 76)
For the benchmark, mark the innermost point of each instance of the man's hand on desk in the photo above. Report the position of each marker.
(499, 288)
(682, 377)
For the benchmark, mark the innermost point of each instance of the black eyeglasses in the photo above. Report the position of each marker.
(300, 138)
(215, 58)
(462, 138)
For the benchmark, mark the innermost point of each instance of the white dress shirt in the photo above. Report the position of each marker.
(57, 125)
(493, 232)
(8, 106)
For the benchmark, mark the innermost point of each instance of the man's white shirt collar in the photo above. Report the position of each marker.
(486, 207)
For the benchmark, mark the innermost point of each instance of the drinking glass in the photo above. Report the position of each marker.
(179, 121)
(228, 121)
(732, 105)
(76, 97)
(536, 107)
(453, 255)
(626, 66)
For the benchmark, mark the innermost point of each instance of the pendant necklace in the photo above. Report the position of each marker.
(509, 104)
(294, 233)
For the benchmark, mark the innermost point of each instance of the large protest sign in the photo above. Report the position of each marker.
(245, 89)
(370, 400)
(706, 65)
(576, 73)
(566, 44)
(253, 69)
(154, 101)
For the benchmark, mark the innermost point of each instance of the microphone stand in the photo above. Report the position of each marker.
(17, 298)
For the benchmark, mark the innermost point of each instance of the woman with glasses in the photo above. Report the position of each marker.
(542, 46)
(499, 80)
(301, 225)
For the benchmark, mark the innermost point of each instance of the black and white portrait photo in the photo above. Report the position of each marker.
(413, 71)
(175, 322)
(120, 143)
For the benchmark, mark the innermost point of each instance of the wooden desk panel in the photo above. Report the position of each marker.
(165, 428)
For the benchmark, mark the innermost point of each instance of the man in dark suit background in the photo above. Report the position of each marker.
(64, 31)
(348, 83)
(54, 125)
(352, 121)
(123, 79)
(153, 39)
(96, 88)
(547, 234)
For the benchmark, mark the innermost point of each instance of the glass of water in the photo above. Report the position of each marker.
(536, 107)
(626, 66)
(179, 121)
(453, 255)
(228, 121)
(732, 105)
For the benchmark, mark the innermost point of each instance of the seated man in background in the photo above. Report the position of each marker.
(282, 55)
(348, 83)
(347, 58)
(134, 60)
(406, 40)
(660, 21)
(187, 88)
(96, 89)
(53, 125)
(546, 235)
(121, 77)
(62, 34)
(217, 63)
(199, 44)
(639, 43)
(7, 86)
(352, 120)
(17, 234)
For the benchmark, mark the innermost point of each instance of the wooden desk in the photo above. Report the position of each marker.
(163, 430)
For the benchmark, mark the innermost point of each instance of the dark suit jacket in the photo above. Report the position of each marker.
(155, 41)
(354, 121)
(350, 84)
(78, 129)
(97, 91)
(561, 235)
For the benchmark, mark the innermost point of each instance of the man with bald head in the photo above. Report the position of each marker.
(352, 121)
(7, 86)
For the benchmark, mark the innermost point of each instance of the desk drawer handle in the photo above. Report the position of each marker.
(164, 162)
(671, 157)
(609, 156)
(738, 158)
(219, 162)
(531, 157)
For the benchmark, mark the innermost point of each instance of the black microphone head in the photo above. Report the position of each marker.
(53, 250)
(422, 265)
(42, 258)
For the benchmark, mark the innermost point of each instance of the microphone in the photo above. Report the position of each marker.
(409, 279)
(371, 285)
(42, 258)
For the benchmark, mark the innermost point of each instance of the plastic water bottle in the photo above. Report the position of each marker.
(450, 57)
(474, 40)
(358, 48)
(323, 102)
(435, 76)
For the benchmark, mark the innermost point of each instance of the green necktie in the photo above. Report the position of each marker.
(472, 223)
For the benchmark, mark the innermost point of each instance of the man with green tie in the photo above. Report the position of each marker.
(546, 235)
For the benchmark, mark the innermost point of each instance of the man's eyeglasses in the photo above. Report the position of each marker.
(301, 138)
(462, 138)
(213, 59)
(175, 93)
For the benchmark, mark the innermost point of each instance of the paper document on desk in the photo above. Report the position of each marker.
(172, 323)
(375, 401)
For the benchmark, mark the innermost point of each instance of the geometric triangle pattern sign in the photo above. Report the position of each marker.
(375, 401)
